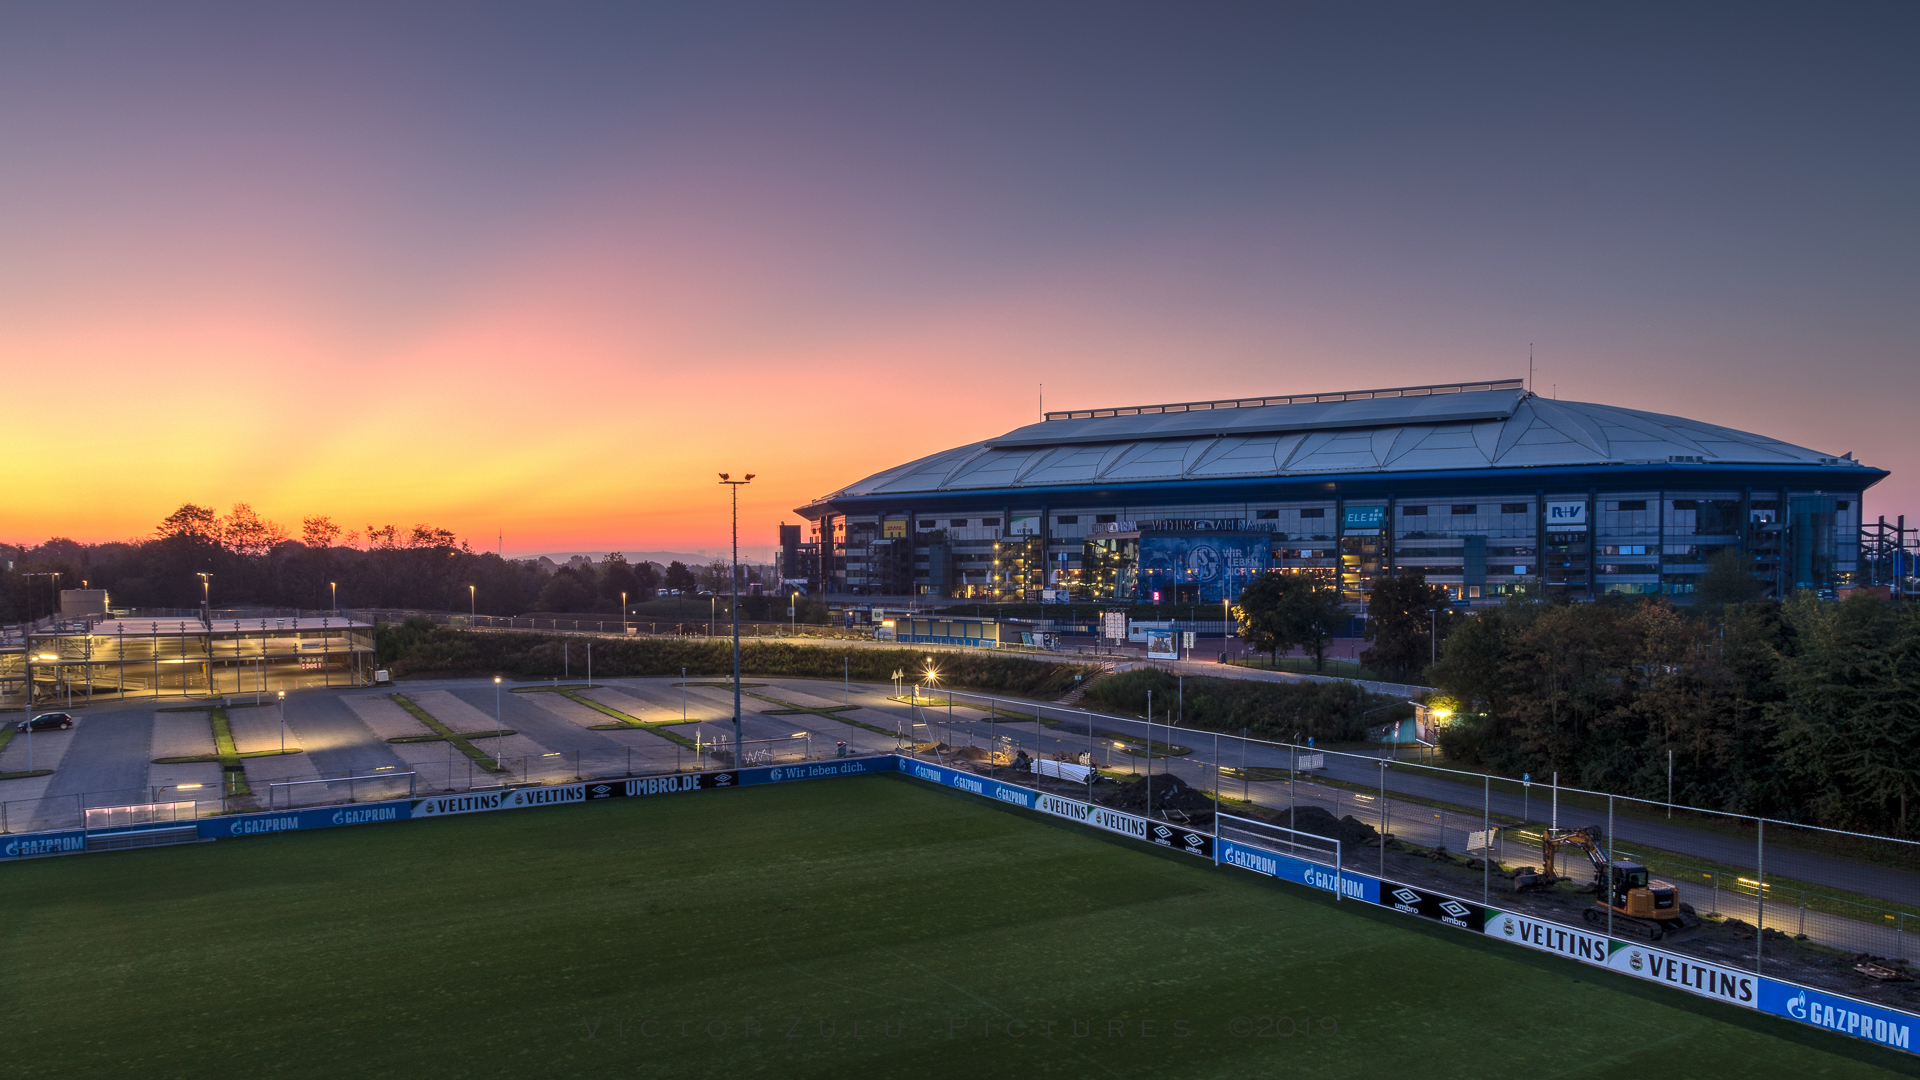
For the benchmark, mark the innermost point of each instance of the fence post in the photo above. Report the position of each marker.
(1760, 897)
(1608, 883)
(1486, 839)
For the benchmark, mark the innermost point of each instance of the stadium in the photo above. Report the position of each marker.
(1481, 486)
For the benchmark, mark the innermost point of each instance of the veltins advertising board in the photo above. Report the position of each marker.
(1344, 883)
(1731, 985)
(1565, 941)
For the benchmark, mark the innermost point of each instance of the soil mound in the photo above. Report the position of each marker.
(1349, 830)
(1169, 793)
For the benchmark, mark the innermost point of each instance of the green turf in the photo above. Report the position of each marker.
(540, 943)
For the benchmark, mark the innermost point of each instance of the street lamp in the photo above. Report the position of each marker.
(499, 726)
(206, 593)
(473, 606)
(623, 614)
(335, 586)
(283, 721)
(734, 486)
(793, 604)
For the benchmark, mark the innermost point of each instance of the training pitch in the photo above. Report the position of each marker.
(851, 927)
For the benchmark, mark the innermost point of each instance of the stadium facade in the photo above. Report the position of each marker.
(1481, 486)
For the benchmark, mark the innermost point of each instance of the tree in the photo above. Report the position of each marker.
(680, 577)
(566, 591)
(646, 578)
(617, 577)
(1727, 582)
(1401, 618)
(197, 522)
(318, 531)
(1279, 611)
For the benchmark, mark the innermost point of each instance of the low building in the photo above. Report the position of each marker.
(131, 657)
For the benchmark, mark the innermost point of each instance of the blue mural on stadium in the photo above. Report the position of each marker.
(1213, 566)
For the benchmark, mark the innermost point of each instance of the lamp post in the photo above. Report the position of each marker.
(335, 586)
(473, 605)
(26, 647)
(623, 614)
(793, 605)
(734, 486)
(499, 726)
(283, 721)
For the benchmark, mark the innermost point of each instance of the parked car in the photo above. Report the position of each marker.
(53, 721)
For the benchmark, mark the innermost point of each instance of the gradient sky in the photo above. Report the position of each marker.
(546, 268)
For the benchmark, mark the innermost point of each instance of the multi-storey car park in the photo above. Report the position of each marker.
(1481, 486)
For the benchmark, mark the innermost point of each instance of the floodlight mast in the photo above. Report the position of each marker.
(735, 486)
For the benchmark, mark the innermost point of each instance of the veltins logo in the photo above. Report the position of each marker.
(1507, 927)
(1635, 960)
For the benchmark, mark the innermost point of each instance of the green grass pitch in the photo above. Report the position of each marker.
(747, 933)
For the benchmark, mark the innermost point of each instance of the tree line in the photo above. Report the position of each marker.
(1806, 710)
(249, 561)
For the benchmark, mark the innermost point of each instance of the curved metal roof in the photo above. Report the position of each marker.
(1403, 430)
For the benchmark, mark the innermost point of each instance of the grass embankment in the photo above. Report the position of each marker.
(1169, 967)
(1290, 712)
(1339, 669)
(418, 648)
(443, 733)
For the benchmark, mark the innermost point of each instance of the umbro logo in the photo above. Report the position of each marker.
(1406, 896)
(1455, 908)
(1162, 831)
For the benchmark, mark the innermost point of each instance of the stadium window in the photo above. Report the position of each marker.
(1070, 519)
(1105, 519)
(1264, 515)
(1316, 512)
(1628, 505)
(1465, 508)
(1514, 508)
(1842, 505)
(956, 523)
(1686, 504)
(1413, 511)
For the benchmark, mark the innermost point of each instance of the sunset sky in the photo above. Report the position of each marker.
(544, 269)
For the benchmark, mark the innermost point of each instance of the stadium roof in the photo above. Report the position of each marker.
(1495, 424)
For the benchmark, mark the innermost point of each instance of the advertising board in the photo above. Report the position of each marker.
(1835, 1013)
(1212, 567)
(1343, 883)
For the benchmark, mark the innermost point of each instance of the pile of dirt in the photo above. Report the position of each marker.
(1169, 793)
(1349, 830)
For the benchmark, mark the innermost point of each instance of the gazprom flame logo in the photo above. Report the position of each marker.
(1797, 1006)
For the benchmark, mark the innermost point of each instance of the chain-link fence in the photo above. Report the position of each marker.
(1761, 894)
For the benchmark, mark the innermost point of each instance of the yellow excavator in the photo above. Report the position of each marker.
(1641, 904)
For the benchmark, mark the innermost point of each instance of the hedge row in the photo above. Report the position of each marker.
(420, 648)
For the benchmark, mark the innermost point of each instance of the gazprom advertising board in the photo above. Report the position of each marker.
(1216, 565)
